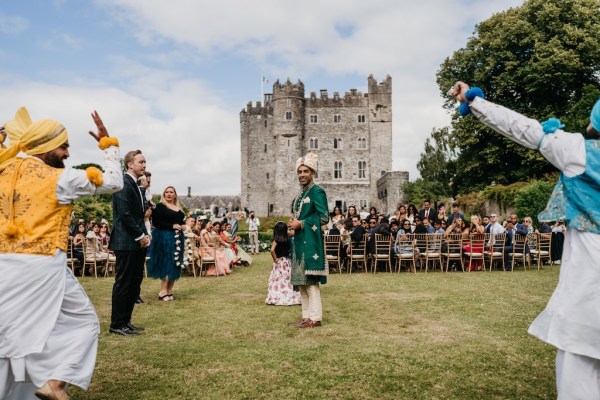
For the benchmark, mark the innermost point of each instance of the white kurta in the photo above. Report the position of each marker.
(571, 320)
(48, 326)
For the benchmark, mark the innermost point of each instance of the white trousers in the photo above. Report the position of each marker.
(253, 237)
(69, 353)
(577, 377)
(311, 302)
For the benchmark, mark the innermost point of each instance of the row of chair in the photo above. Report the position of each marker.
(425, 251)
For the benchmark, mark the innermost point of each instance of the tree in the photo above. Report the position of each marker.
(436, 165)
(531, 199)
(541, 59)
(94, 207)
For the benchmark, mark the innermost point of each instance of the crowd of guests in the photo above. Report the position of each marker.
(352, 226)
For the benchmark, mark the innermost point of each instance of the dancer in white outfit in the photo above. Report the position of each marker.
(48, 326)
(571, 320)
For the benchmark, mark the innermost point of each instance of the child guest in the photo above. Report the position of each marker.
(281, 292)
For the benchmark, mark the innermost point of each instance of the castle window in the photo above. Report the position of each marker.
(337, 170)
(288, 142)
(362, 143)
(267, 176)
(361, 119)
(265, 123)
(265, 148)
(337, 143)
(363, 204)
(313, 143)
(313, 119)
(288, 115)
(362, 169)
(337, 118)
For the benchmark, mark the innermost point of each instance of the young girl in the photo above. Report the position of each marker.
(281, 292)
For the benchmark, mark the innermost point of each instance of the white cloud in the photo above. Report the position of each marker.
(13, 24)
(407, 40)
(195, 143)
(189, 132)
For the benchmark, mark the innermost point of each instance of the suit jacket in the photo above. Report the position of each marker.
(357, 234)
(432, 215)
(128, 217)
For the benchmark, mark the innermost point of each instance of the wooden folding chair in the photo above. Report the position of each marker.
(358, 253)
(332, 250)
(406, 252)
(383, 250)
(494, 249)
(475, 250)
(91, 256)
(542, 248)
(453, 250)
(72, 261)
(207, 259)
(519, 252)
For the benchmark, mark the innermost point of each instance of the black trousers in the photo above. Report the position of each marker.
(126, 290)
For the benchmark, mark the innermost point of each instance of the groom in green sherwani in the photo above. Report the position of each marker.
(309, 267)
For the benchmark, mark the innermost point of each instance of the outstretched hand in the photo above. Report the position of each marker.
(102, 132)
(459, 91)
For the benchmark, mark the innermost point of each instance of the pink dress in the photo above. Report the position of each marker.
(209, 246)
(280, 289)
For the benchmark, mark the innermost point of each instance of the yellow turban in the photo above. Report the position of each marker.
(32, 138)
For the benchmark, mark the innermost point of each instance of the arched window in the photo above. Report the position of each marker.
(337, 170)
(337, 143)
(288, 115)
(362, 143)
(362, 169)
(313, 143)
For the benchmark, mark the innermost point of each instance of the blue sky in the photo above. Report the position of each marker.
(170, 77)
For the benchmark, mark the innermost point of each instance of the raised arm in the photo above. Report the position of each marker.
(75, 183)
(566, 151)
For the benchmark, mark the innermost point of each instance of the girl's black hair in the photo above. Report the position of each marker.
(280, 232)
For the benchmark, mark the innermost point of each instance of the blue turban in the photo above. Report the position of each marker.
(595, 116)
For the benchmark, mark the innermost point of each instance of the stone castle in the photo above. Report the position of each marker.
(352, 135)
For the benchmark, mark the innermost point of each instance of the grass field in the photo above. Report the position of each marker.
(384, 336)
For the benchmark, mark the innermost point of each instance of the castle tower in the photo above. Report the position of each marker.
(380, 129)
(288, 133)
(257, 152)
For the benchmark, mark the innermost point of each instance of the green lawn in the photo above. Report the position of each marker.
(384, 336)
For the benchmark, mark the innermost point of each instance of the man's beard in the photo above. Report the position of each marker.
(53, 160)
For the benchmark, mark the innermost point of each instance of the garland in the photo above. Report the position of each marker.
(106, 142)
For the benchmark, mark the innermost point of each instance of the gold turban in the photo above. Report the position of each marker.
(310, 160)
(31, 138)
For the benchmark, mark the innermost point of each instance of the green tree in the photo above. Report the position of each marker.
(541, 59)
(95, 207)
(531, 199)
(436, 164)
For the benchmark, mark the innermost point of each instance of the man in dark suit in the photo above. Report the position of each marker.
(129, 240)
(428, 212)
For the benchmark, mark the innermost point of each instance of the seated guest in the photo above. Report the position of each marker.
(419, 227)
(394, 227)
(437, 227)
(382, 228)
(104, 235)
(455, 213)
(401, 213)
(93, 248)
(427, 225)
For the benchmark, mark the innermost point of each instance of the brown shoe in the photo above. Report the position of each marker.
(298, 323)
(310, 324)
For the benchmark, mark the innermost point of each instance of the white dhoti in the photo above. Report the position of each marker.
(48, 326)
(571, 320)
